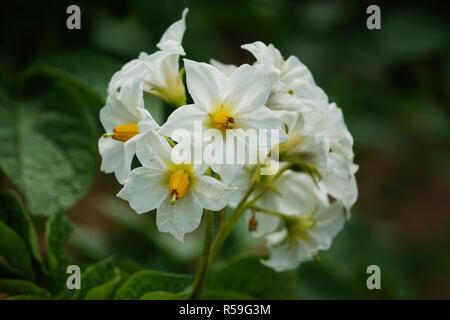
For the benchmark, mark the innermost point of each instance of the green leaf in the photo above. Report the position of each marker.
(21, 287)
(249, 277)
(8, 272)
(124, 37)
(26, 297)
(14, 251)
(13, 214)
(57, 232)
(144, 282)
(402, 39)
(48, 145)
(224, 295)
(89, 71)
(163, 295)
(99, 281)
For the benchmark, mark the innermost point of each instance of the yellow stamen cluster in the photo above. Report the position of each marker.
(178, 185)
(123, 132)
(223, 121)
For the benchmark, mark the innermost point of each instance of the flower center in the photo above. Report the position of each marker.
(223, 121)
(178, 185)
(123, 132)
(298, 227)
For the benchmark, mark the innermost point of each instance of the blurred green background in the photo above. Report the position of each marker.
(392, 84)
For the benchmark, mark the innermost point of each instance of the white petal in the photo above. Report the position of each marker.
(184, 118)
(211, 193)
(134, 69)
(172, 37)
(297, 194)
(281, 100)
(129, 152)
(247, 89)
(226, 171)
(329, 221)
(227, 69)
(331, 123)
(293, 70)
(341, 188)
(162, 69)
(315, 151)
(153, 151)
(182, 217)
(112, 153)
(268, 55)
(114, 114)
(131, 95)
(144, 189)
(282, 256)
(296, 77)
(241, 182)
(147, 125)
(206, 84)
(266, 223)
(269, 59)
(262, 118)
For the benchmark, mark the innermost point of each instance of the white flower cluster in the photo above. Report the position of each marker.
(299, 208)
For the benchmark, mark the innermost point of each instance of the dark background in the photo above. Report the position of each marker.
(392, 84)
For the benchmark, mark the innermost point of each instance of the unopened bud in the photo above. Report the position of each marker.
(252, 223)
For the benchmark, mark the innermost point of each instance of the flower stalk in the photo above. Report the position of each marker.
(204, 265)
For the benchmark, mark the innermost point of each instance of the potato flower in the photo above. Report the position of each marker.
(125, 121)
(163, 77)
(224, 103)
(178, 192)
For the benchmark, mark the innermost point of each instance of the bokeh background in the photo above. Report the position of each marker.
(392, 84)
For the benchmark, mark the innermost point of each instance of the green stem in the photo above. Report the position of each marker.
(226, 227)
(223, 216)
(203, 268)
(271, 212)
(243, 205)
(210, 250)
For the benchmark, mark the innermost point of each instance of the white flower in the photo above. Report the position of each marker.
(125, 121)
(310, 223)
(305, 145)
(304, 236)
(163, 77)
(342, 188)
(178, 192)
(321, 139)
(332, 127)
(224, 103)
(265, 223)
(280, 196)
(339, 180)
(292, 84)
(295, 202)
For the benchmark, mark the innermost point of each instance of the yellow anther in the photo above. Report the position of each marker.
(291, 92)
(178, 185)
(123, 132)
(223, 121)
